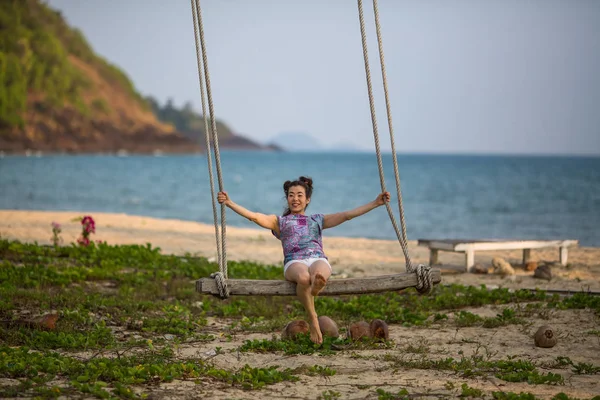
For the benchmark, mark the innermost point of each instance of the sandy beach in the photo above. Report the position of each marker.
(350, 257)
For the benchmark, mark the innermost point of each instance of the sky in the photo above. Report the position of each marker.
(511, 76)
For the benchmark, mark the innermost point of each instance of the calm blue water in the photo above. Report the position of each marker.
(444, 196)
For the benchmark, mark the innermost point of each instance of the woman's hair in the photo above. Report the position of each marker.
(303, 181)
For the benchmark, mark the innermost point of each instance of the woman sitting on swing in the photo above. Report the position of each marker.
(305, 262)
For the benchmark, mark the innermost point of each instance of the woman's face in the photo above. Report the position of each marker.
(297, 200)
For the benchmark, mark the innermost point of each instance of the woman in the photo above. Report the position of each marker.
(305, 262)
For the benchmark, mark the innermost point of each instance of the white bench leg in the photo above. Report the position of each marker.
(563, 255)
(526, 256)
(433, 257)
(469, 259)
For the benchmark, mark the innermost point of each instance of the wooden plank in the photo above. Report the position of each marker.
(450, 244)
(436, 244)
(563, 255)
(526, 256)
(425, 242)
(469, 259)
(495, 244)
(433, 257)
(513, 245)
(560, 292)
(335, 287)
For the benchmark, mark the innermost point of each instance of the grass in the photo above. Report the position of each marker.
(124, 312)
(303, 345)
(508, 370)
(95, 374)
(506, 317)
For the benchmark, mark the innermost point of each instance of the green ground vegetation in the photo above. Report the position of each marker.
(124, 311)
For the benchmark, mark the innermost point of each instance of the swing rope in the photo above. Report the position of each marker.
(221, 276)
(423, 272)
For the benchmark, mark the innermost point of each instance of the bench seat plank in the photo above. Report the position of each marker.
(469, 246)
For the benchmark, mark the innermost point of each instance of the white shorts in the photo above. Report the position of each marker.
(307, 261)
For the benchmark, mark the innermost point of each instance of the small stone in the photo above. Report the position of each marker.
(531, 265)
(328, 327)
(45, 322)
(544, 337)
(168, 336)
(502, 267)
(137, 324)
(210, 353)
(543, 272)
(198, 304)
(479, 269)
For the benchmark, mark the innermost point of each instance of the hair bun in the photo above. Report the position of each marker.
(286, 185)
(306, 180)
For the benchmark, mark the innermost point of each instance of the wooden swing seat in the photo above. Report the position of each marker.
(335, 287)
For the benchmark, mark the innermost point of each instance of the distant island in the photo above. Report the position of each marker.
(303, 142)
(295, 141)
(58, 95)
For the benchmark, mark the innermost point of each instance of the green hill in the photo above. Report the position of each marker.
(56, 94)
(191, 124)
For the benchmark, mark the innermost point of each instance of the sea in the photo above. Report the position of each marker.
(444, 196)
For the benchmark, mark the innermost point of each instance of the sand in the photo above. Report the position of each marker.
(360, 373)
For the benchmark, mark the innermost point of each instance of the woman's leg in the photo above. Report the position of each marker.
(298, 272)
(319, 271)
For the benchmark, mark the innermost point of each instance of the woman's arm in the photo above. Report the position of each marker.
(263, 220)
(332, 220)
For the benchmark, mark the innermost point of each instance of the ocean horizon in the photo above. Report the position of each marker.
(445, 196)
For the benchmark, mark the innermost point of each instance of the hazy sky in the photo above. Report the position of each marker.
(518, 76)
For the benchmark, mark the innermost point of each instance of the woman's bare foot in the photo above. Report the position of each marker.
(317, 285)
(315, 331)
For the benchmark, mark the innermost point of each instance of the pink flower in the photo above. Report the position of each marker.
(89, 224)
(55, 226)
(89, 227)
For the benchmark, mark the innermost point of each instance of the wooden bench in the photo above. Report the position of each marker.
(470, 246)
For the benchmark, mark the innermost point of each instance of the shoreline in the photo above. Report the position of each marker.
(358, 151)
(349, 257)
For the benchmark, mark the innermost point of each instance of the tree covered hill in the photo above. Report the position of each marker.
(58, 95)
(191, 124)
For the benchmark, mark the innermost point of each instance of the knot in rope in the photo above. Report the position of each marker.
(424, 279)
(221, 284)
